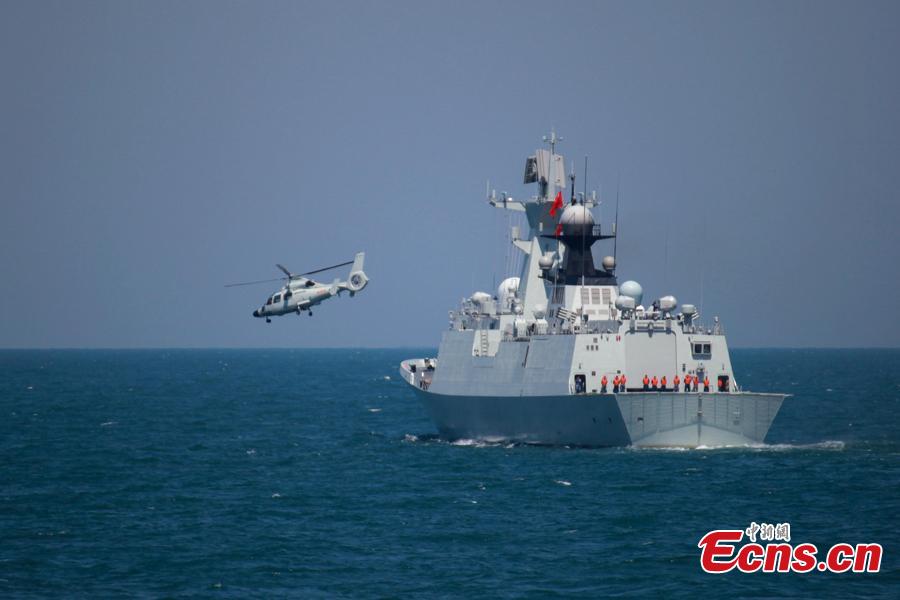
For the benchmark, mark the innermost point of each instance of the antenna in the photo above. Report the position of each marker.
(666, 259)
(616, 222)
(585, 176)
(552, 139)
(572, 180)
(702, 260)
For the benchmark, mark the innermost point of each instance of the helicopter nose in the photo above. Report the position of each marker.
(256, 313)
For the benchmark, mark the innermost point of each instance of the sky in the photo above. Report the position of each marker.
(154, 151)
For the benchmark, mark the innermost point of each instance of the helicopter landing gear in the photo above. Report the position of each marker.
(268, 320)
(309, 313)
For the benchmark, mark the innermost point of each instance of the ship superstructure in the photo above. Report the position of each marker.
(564, 354)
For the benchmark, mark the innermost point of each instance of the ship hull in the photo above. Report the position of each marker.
(644, 419)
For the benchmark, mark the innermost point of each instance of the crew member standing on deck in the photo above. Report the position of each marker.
(675, 382)
(662, 383)
(654, 382)
(603, 382)
(646, 382)
(622, 383)
(706, 383)
(687, 382)
(616, 383)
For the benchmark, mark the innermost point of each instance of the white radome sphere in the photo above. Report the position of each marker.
(546, 261)
(508, 287)
(576, 220)
(480, 297)
(668, 303)
(632, 289)
(609, 263)
(625, 303)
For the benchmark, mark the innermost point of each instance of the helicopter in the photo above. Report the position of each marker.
(299, 293)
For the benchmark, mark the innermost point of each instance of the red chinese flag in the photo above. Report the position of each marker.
(557, 204)
(558, 229)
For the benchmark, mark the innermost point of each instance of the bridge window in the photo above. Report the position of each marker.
(701, 348)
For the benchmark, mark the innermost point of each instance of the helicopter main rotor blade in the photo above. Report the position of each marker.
(290, 275)
(343, 264)
(254, 282)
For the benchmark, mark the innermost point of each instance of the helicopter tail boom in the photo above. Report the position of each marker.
(357, 279)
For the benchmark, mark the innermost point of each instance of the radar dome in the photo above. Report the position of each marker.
(632, 289)
(540, 311)
(625, 303)
(546, 261)
(509, 286)
(507, 291)
(480, 298)
(609, 263)
(667, 303)
(576, 220)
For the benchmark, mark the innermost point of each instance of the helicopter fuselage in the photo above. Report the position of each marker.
(296, 298)
(300, 293)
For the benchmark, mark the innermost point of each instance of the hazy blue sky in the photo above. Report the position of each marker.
(153, 151)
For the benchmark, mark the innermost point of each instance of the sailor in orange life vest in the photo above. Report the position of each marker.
(622, 383)
(675, 382)
(654, 382)
(662, 382)
(616, 384)
(694, 381)
(705, 383)
(646, 382)
(603, 382)
(687, 382)
(722, 385)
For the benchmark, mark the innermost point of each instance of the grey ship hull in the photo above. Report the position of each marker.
(646, 419)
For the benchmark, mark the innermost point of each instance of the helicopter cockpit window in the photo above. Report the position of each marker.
(269, 301)
(310, 283)
(277, 298)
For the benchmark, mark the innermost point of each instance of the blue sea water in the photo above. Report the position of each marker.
(315, 473)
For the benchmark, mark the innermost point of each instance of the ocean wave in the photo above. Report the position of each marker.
(463, 442)
(826, 445)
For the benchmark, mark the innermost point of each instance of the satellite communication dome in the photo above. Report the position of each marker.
(632, 289)
(576, 220)
(480, 298)
(540, 311)
(507, 290)
(625, 303)
(688, 309)
(668, 303)
(508, 286)
(609, 263)
(546, 261)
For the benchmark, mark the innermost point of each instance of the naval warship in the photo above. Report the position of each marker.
(563, 354)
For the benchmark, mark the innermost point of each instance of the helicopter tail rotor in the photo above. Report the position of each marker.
(357, 279)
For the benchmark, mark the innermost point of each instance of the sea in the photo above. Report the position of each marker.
(317, 474)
